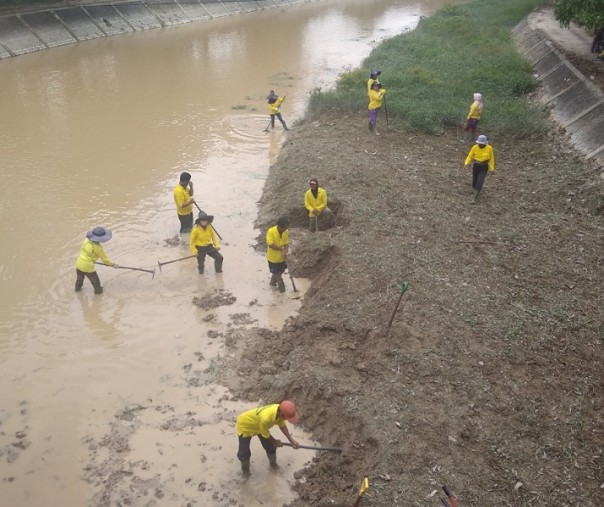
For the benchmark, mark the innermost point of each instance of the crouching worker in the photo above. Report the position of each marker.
(90, 251)
(315, 201)
(257, 422)
(204, 242)
(277, 245)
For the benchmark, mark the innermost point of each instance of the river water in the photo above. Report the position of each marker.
(96, 133)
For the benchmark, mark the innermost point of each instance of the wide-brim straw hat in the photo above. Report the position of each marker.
(203, 216)
(99, 234)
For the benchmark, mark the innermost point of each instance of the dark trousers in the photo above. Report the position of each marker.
(94, 280)
(212, 252)
(186, 222)
(244, 453)
(278, 115)
(479, 173)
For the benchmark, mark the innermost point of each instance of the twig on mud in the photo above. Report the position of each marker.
(486, 242)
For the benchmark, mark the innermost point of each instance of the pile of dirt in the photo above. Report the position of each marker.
(490, 379)
(217, 298)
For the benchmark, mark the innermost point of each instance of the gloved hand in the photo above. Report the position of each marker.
(115, 265)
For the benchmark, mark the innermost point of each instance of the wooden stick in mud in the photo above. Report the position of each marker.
(404, 288)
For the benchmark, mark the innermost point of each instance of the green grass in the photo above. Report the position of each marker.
(432, 72)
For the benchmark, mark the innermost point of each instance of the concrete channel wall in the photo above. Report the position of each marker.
(32, 31)
(577, 104)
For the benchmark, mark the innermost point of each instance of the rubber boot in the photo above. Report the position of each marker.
(218, 266)
(272, 459)
(475, 198)
(370, 127)
(245, 467)
(78, 288)
(98, 290)
(281, 284)
(273, 282)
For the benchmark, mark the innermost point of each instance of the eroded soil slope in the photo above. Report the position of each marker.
(491, 377)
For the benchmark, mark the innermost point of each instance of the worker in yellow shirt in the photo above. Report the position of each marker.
(258, 422)
(376, 96)
(274, 106)
(484, 160)
(90, 251)
(277, 245)
(183, 197)
(474, 117)
(315, 201)
(203, 241)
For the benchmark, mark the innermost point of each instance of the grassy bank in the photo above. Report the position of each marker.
(432, 72)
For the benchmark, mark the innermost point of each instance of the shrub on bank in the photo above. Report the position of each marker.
(431, 73)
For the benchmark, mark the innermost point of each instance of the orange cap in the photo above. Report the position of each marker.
(288, 410)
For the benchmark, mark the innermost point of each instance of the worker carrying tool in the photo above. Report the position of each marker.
(257, 422)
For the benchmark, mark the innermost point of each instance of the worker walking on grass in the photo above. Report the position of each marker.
(274, 106)
(277, 245)
(183, 197)
(90, 251)
(258, 422)
(484, 160)
(376, 96)
(315, 201)
(203, 241)
(473, 117)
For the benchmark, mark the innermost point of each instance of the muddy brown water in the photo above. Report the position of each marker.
(111, 397)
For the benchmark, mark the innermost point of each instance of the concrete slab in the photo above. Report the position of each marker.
(138, 16)
(266, 4)
(576, 100)
(249, 6)
(108, 19)
(48, 28)
(547, 63)
(588, 129)
(170, 13)
(558, 80)
(233, 7)
(194, 10)
(79, 23)
(216, 9)
(4, 52)
(17, 38)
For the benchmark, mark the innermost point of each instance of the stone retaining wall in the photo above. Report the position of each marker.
(32, 31)
(577, 104)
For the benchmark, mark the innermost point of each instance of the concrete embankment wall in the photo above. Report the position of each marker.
(577, 104)
(32, 31)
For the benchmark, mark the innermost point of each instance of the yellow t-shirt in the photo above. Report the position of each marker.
(182, 195)
(474, 113)
(376, 97)
(274, 107)
(258, 421)
(274, 238)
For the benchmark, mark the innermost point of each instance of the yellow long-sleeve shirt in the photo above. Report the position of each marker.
(376, 97)
(258, 421)
(182, 195)
(482, 155)
(474, 113)
(203, 237)
(274, 107)
(274, 238)
(90, 252)
(311, 202)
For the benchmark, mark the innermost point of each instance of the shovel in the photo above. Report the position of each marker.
(297, 294)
